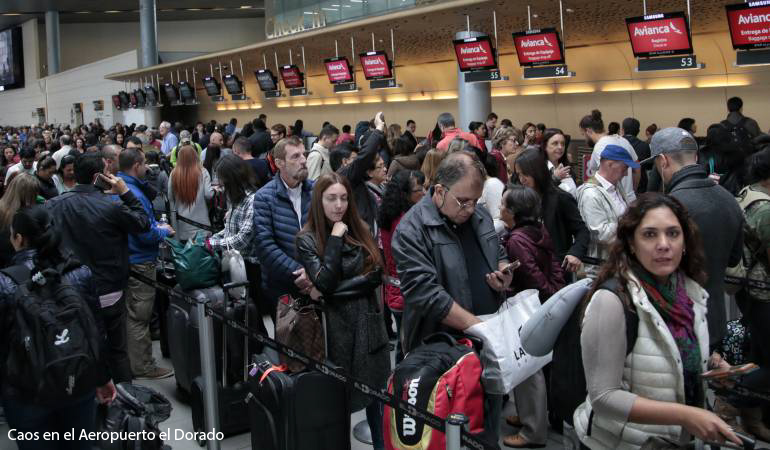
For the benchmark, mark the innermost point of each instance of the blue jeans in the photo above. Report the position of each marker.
(79, 414)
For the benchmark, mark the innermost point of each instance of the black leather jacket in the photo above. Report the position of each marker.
(95, 226)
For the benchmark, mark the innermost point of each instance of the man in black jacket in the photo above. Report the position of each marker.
(95, 228)
(260, 140)
(711, 207)
(630, 131)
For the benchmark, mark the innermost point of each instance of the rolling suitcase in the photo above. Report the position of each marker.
(232, 387)
(296, 411)
(165, 276)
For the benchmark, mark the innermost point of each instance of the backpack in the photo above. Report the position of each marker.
(568, 379)
(753, 263)
(136, 409)
(443, 376)
(53, 345)
(740, 134)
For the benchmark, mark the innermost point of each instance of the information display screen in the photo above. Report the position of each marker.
(749, 25)
(538, 47)
(266, 80)
(125, 101)
(475, 54)
(141, 98)
(338, 70)
(116, 101)
(659, 34)
(186, 91)
(152, 94)
(233, 85)
(376, 65)
(172, 93)
(11, 59)
(213, 88)
(292, 77)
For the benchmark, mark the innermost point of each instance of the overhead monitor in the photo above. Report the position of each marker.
(266, 80)
(125, 101)
(141, 98)
(475, 53)
(133, 101)
(376, 65)
(213, 88)
(152, 94)
(186, 91)
(659, 34)
(338, 70)
(292, 77)
(538, 47)
(749, 25)
(233, 85)
(116, 101)
(11, 59)
(172, 93)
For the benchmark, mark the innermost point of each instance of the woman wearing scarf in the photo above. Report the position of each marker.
(650, 388)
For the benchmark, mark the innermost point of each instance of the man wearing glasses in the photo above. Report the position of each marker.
(450, 261)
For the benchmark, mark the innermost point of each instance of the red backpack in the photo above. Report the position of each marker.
(442, 376)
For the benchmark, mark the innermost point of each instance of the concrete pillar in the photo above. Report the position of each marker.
(474, 100)
(53, 43)
(148, 33)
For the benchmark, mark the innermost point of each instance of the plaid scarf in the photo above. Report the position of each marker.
(676, 308)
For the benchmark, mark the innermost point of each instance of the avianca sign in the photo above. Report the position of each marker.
(749, 25)
(292, 78)
(375, 65)
(475, 54)
(338, 70)
(667, 34)
(538, 47)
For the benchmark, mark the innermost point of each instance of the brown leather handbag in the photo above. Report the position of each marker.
(300, 326)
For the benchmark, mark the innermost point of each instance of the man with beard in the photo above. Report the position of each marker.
(592, 129)
(280, 211)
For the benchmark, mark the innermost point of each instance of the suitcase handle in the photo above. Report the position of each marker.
(235, 284)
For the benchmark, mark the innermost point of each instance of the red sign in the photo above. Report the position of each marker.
(475, 54)
(538, 47)
(749, 26)
(338, 70)
(375, 65)
(660, 34)
(291, 76)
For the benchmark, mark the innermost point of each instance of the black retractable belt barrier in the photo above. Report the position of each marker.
(202, 226)
(383, 396)
(746, 282)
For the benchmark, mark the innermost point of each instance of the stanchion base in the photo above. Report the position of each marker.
(362, 433)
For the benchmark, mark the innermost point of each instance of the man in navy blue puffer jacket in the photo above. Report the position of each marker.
(280, 211)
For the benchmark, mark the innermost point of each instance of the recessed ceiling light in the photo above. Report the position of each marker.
(112, 11)
(193, 9)
(309, 12)
(246, 7)
(330, 9)
(570, 10)
(12, 14)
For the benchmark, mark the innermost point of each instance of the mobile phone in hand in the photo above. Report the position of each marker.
(511, 267)
(729, 372)
(102, 184)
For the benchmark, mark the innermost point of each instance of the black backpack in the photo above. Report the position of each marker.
(568, 379)
(53, 345)
(741, 136)
(136, 409)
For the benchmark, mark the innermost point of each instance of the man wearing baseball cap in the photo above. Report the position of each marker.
(715, 211)
(602, 200)
(185, 138)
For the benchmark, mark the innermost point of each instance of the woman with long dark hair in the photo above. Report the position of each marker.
(655, 389)
(405, 157)
(723, 159)
(213, 153)
(554, 146)
(402, 191)
(560, 211)
(37, 243)
(189, 189)
(341, 258)
(64, 179)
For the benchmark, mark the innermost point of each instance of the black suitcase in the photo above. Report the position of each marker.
(297, 411)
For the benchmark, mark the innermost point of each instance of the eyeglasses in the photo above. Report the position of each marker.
(466, 204)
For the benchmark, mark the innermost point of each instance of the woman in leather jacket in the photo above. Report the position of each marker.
(37, 244)
(342, 260)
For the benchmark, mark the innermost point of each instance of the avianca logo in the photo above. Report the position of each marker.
(753, 18)
(663, 29)
(476, 49)
(537, 42)
(373, 62)
(338, 66)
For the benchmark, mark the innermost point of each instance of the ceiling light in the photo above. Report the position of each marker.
(12, 14)
(570, 10)
(112, 11)
(246, 7)
(346, 6)
(309, 12)
(193, 9)
(535, 16)
(335, 6)
(330, 9)
(82, 12)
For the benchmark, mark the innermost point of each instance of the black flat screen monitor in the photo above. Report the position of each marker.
(125, 101)
(213, 88)
(172, 93)
(152, 94)
(376, 65)
(11, 59)
(233, 85)
(186, 91)
(659, 34)
(141, 98)
(266, 80)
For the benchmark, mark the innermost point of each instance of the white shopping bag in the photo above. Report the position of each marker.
(505, 362)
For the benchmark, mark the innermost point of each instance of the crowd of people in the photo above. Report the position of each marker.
(403, 236)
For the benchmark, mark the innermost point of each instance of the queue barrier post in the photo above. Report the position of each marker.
(455, 422)
(208, 368)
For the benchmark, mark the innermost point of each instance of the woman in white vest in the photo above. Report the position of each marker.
(654, 389)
